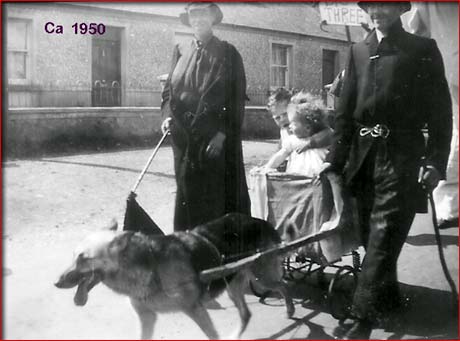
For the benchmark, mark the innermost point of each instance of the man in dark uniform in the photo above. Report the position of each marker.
(203, 100)
(394, 86)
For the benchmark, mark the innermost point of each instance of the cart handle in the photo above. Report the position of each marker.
(229, 268)
(139, 179)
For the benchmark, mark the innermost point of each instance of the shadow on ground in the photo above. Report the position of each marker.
(428, 239)
(427, 313)
(96, 165)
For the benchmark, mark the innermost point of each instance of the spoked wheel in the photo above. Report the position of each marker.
(341, 291)
(297, 268)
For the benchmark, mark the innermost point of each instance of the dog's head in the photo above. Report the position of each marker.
(94, 258)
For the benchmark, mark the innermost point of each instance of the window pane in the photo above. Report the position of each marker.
(279, 54)
(280, 65)
(17, 65)
(283, 56)
(279, 76)
(282, 73)
(17, 35)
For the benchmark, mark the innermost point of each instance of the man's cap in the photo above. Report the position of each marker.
(405, 5)
(218, 16)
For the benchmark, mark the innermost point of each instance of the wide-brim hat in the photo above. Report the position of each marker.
(218, 16)
(405, 5)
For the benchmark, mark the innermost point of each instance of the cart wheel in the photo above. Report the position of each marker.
(296, 268)
(259, 291)
(341, 290)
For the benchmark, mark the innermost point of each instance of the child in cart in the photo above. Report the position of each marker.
(295, 201)
(306, 114)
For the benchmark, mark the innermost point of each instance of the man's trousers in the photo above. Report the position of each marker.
(386, 214)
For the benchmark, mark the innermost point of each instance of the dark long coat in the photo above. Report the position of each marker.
(401, 84)
(207, 188)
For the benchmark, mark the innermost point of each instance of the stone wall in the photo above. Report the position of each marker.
(34, 132)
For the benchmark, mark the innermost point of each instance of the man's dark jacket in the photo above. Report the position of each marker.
(208, 187)
(401, 84)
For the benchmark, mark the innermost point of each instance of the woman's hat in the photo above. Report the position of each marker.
(201, 5)
(405, 5)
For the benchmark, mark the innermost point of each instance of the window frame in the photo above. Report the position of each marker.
(337, 69)
(290, 63)
(29, 52)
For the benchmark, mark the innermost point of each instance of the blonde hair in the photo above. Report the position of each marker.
(309, 109)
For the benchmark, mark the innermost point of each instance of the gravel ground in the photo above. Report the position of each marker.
(53, 202)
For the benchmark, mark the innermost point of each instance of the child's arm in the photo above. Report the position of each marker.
(278, 158)
(321, 139)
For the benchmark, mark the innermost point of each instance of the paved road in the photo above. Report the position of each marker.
(52, 203)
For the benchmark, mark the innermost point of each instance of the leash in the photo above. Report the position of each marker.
(437, 235)
(139, 179)
(442, 258)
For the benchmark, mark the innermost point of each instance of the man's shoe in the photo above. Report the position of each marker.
(360, 330)
(447, 223)
(343, 327)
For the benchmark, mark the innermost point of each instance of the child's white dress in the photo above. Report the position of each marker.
(307, 163)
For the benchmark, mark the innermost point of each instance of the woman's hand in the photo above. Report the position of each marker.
(166, 125)
(215, 146)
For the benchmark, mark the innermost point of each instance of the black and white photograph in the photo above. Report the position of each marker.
(230, 170)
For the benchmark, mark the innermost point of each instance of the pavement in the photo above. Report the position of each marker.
(51, 203)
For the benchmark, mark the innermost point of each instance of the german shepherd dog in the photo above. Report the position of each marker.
(162, 273)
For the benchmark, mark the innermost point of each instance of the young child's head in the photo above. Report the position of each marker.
(277, 106)
(306, 114)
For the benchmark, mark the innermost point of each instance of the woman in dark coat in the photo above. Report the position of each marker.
(203, 101)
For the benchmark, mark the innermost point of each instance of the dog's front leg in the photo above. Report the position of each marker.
(201, 316)
(147, 317)
(236, 289)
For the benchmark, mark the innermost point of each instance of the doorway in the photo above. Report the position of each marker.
(106, 69)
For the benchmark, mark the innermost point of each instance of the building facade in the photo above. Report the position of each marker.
(86, 76)
(54, 60)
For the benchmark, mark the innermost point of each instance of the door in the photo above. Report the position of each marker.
(106, 69)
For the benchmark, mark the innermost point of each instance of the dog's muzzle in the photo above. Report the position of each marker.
(85, 281)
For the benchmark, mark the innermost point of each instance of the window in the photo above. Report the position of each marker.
(330, 66)
(280, 68)
(18, 50)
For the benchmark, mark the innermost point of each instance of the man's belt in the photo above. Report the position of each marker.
(379, 130)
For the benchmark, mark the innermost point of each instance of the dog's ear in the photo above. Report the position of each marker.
(119, 243)
(112, 225)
